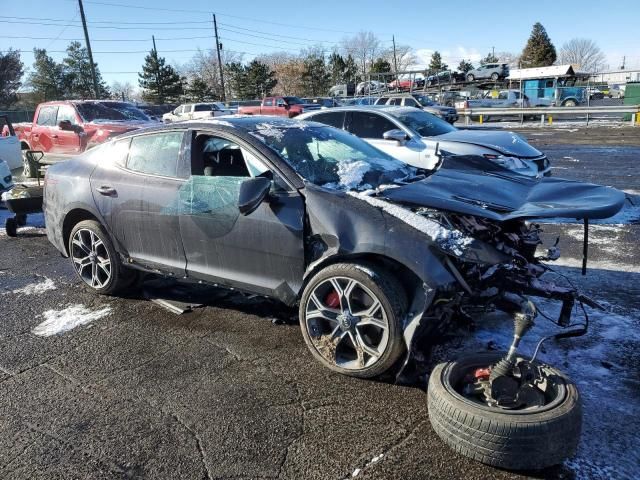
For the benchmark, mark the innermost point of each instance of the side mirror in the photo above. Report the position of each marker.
(396, 135)
(65, 125)
(252, 193)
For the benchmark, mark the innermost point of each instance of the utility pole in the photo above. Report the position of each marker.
(623, 60)
(158, 82)
(86, 39)
(493, 52)
(218, 48)
(395, 60)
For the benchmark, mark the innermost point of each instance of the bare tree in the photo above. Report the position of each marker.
(289, 69)
(204, 67)
(120, 90)
(513, 59)
(584, 53)
(364, 47)
(405, 56)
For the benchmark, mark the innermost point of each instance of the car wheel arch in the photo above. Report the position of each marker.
(71, 219)
(24, 146)
(407, 277)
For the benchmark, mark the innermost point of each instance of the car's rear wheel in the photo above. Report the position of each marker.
(95, 261)
(351, 317)
(494, 76)
(570, 103)
(470, 78)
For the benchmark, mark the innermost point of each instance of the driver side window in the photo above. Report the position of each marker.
(369, 125)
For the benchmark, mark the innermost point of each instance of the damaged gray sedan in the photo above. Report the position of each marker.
(376, 254)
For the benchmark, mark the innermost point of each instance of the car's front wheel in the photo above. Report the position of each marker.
(495, 76)
(95, 261)
(351, 319)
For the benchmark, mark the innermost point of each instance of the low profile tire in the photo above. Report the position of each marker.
(470, 78)
(532, 438)
(351, 319)
(29, 167)
(95, 261)
(11, 227)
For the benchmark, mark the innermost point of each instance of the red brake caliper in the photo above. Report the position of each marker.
(332, 300)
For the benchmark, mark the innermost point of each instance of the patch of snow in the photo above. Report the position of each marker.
(60, 321)
(351, 173)
(36, 288)
(603, 365)
(356, 472)
(268, 130)
(565, 261)
(453, 241)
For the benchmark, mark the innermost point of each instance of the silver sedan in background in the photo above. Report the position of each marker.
(411, 135)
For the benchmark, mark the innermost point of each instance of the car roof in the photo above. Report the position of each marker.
(390, 109)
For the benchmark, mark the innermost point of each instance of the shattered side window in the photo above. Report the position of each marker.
(156, 154)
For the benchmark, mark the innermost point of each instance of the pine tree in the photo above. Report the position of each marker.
(437, 65)
(539, 51)
(236, 79)
(337, 67)
(47, 78)
(11, 70)
(259, 80)
(199, 91)
(490, 58)
(160, 82)
(465, 66)
(315, 76)
(76, 70)
(380, 66)
(350, 69)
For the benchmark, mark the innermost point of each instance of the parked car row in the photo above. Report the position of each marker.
(196, 111)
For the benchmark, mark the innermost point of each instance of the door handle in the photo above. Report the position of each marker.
(106, 191)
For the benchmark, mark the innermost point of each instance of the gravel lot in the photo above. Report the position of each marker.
(225, 392)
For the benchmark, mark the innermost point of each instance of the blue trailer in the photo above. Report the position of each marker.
(555, 85)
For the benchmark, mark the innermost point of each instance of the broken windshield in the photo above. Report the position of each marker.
(332, 158)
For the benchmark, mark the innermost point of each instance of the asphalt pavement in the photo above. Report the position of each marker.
(230, 390)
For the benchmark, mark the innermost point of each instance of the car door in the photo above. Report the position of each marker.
(371, 126)
(42, 132)
(68, 142)
(261, 252)
(138, 198)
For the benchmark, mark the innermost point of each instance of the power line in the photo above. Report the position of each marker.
(106, 39)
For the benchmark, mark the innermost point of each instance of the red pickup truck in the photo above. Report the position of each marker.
(281, 106)
(65, 128)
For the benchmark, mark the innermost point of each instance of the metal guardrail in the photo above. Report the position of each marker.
(543, 112)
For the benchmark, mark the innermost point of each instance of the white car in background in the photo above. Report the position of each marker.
(411, 135)
(10, 150)
(196, 111)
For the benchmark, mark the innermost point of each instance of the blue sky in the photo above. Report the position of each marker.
(462, 29)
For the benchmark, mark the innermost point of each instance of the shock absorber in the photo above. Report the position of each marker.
(523, 321)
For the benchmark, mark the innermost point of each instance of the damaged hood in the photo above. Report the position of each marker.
(501, 196)
(506, 143)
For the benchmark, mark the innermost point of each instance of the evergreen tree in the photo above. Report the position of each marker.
(315, 76)
(47, 77)
(539, 51)
(237, 80)
(350, 69)
(380, 66)
(259, 79)
(490, 58)
(437, 65)
(199, 91)
(76, 69)
(160, 82)
(465, 66)
(337, 67)
(11, 70)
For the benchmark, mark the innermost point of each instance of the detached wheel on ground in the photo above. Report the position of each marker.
(350, 315)
(95, 261)
(530, 437)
